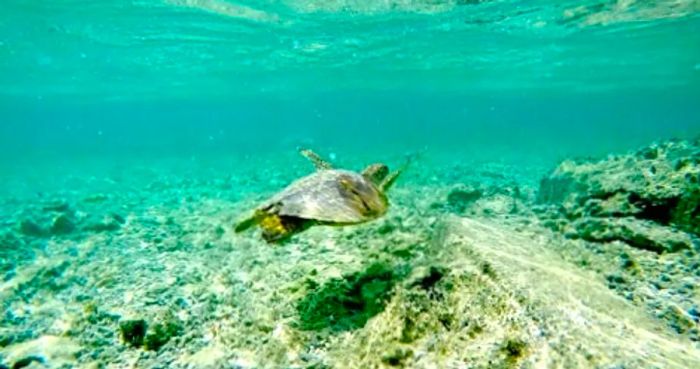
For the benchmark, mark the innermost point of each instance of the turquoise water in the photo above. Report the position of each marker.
(508, 77)
(134, 134)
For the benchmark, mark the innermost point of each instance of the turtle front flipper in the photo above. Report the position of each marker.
(277, 228)
(319, 163)
(389, 180)
(393, 176)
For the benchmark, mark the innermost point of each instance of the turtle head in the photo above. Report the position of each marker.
(376, 173)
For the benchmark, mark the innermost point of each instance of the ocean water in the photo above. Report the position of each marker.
(135, 134)
(195, 76)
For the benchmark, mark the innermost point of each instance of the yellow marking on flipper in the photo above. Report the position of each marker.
(273, 224)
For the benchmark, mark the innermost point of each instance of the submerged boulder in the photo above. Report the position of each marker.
(62, 224)
(486, 201)
(29, 227)
(496, 297)
(110, 223)
(463, 196)
(659, 183)
(637, 233)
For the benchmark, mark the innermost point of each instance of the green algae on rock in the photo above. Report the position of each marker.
(138, 333)
(161, 332)
(133, 331)
(346, 303)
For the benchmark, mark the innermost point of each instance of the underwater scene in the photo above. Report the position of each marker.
(370, 184)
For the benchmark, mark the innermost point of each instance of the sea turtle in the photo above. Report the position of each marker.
(326, 197)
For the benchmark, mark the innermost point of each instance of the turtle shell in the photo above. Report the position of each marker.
(330, 196)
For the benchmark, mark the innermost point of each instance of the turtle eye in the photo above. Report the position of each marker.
(380, 172)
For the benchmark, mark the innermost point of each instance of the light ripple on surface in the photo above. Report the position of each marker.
(133, 49)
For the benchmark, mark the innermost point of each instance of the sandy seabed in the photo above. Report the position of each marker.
(593, 264)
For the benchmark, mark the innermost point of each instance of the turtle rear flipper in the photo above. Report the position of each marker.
(251, 221)
(277, 228)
